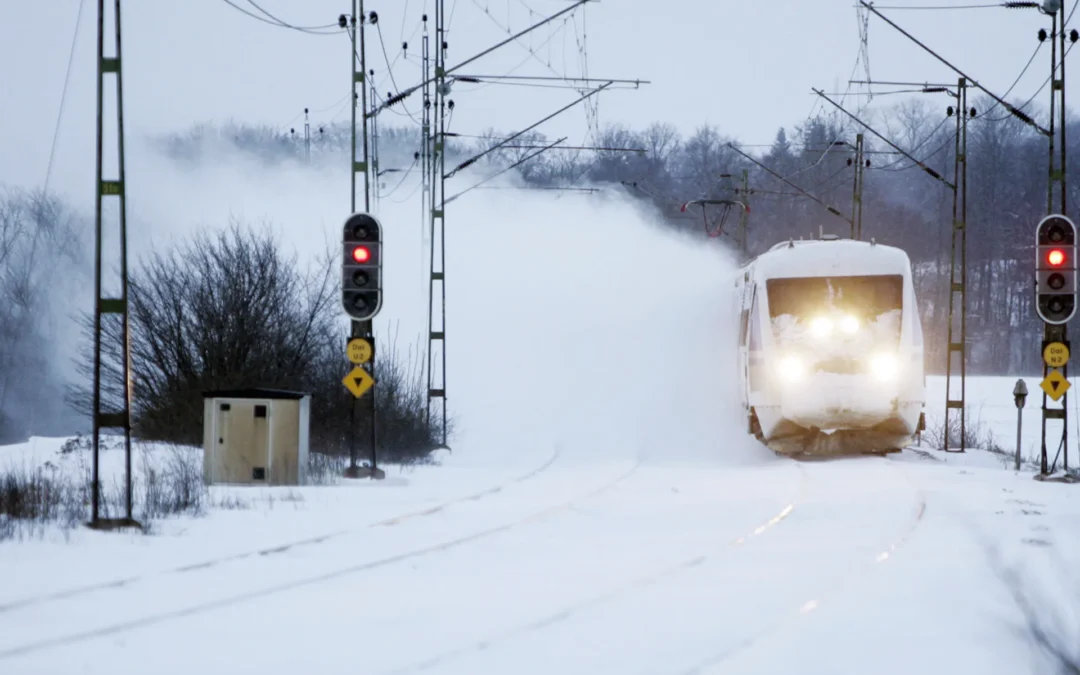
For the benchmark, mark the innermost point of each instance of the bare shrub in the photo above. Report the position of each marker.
(32, 498)
(229, 310)
(176, 487)
(976, 434)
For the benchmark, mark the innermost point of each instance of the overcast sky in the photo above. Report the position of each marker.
(746, 66)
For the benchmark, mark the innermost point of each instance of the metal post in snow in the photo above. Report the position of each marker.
(1020, 393)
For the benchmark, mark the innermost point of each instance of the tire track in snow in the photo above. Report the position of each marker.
(811, 605)
(657, 576)
(162, 617)
(272, 550)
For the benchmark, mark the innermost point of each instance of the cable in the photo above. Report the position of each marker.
(1026, 103)
(1018, 78)
(63, 98)
(1040, 89)
(315, 30)
(521, 65)
(843, 125)
(933, 154)
(998, 5)
(390, 69)
(532, 53)
(312, 30)
(405, 175)
(886, 167)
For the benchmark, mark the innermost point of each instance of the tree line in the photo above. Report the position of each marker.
(226, 309)
(193, 315)
(903, 205)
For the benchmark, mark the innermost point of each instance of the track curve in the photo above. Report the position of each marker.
(336, 572)
(276, 549)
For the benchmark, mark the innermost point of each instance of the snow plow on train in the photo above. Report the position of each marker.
(830, 350)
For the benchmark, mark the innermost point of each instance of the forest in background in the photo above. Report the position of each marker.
(903, 205)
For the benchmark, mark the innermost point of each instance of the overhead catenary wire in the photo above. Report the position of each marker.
(971, 81)
(1040, 90)
(996, 5)
(916, 164)
(390, 67)
(1018, 78)
(274, 21)
(862, 57)
(933, 132)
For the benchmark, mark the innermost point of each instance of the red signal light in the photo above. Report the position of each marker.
(1055, 257)
(361, 254)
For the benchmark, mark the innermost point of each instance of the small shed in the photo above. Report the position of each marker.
(255, 436)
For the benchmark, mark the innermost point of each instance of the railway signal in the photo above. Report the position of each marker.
(361, 282)
(1055, 269)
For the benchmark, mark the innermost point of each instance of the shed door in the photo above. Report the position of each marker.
(246, 452)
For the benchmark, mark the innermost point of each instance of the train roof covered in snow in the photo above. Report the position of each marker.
(828, 256)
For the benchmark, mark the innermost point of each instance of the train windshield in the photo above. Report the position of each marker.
(818, 303)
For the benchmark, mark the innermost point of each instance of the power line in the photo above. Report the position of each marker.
(1019, 77)
(274, 21)
(63, 97)
(998, 5)
(972, 82)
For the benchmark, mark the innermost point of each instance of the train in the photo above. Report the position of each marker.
(830, 355)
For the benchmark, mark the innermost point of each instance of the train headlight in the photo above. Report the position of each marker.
(884, 367)
(849, 324)
(792, 368)
(821, 326)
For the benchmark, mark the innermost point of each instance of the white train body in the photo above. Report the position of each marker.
(830, 340)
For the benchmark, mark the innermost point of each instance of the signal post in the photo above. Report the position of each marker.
(1056, 288)
(361, 297)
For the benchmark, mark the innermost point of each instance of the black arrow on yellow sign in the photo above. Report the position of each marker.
(1055, 385)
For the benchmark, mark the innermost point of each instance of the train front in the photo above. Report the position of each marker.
(847, 369)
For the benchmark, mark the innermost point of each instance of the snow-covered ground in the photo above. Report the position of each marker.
(602, 512)
(541, 563)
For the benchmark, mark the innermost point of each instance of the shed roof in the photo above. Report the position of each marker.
(254, 392)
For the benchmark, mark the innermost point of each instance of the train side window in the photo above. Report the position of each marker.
(744, 322)
(755, 329)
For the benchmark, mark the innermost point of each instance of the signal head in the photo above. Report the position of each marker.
(1056, 269)
(1056, 230)
(361, 292)
(362, 227)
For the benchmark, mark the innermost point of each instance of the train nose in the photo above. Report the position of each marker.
(796, 370)
(839, 392)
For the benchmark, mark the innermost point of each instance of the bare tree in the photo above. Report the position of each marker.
(37, 234)
(229, 310)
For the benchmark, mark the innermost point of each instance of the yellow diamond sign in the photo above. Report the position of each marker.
(358, 381)
(1055, 385)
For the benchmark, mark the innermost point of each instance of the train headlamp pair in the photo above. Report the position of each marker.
(883, 366)
(823, 326)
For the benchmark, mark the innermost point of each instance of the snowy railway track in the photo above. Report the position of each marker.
(276, 549)
(656, 576)
(815, 600)
(311, 580)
